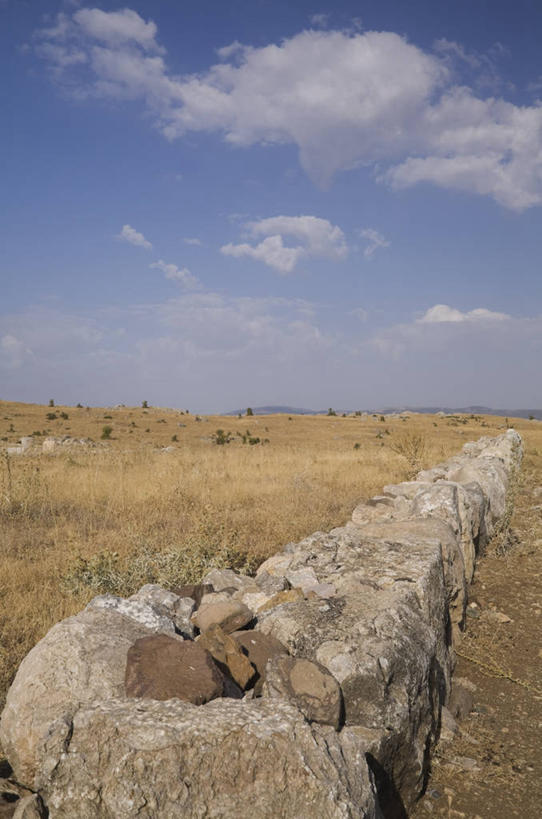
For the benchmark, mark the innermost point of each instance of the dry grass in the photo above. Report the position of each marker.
(109, 518)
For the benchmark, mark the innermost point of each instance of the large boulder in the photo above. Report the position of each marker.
(80, 661)
(223, 760)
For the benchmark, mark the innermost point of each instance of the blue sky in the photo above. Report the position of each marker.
(216, 205)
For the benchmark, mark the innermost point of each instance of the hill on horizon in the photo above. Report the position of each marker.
(474, 409)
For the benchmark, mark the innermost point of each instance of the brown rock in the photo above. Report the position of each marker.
(194, 590)
(289, 596)
(306, 684)
(160, 667)
(259, 648)
(230, 615)
(227, 653)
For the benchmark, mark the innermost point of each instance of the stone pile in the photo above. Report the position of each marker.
(315, 689)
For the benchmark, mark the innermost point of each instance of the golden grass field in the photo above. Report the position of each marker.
(111, 517)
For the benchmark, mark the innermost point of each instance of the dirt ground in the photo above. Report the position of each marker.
(492, 768)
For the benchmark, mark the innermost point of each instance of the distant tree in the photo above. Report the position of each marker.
(144, 404)
(51, 402)
(331, 411)
(79, 406)
(249, 411)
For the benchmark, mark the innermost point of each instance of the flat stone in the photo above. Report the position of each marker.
(323, 590)
(302, 578)
(228, 579)
(254, 600)
(306, 684)
(290, 596)
(230, 615)
(227, 653)
(169, 604)
(160, 667)
(271, 584)
(194, 590)
(259, 648)
(136, 610)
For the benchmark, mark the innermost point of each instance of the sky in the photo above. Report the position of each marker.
(213, 205)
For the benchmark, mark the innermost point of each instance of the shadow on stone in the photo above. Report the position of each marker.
(390, 802)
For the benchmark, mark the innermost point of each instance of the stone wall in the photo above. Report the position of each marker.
(368, 615)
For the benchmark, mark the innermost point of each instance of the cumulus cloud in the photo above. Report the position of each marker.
(375, 240)
(129, 234)
(182, 275)
(343, 98)
(442, 313)
(316, 237)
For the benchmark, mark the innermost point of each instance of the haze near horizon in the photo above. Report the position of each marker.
(216, 205)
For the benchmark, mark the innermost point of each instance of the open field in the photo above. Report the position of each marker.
(110, 517)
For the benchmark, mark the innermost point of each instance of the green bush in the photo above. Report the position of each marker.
(106, 433)
(220, 437)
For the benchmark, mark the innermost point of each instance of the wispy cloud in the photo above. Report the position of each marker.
(192, 241)
(182, 275)
(442, 313)
(375, 241)
(131, 235)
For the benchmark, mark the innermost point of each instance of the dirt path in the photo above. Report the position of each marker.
(492, 769)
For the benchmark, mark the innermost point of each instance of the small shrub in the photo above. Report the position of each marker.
(64, 415)
(144, 404)
(174, 438)
(411, 446)
(357, 445)
(51, 416)
(249, 411)
(106, 433)
(51, 402)
(221, 438)
(79, 406)
(108, 416)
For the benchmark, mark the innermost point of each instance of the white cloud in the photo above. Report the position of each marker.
(317, 237)
(182, 275)
(375, 241)
(129, 234)
(118, 27)
(442, 313)
(343, 98)
(192, 241)
(271, 251)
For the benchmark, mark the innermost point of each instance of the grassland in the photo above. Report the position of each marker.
(111, 516)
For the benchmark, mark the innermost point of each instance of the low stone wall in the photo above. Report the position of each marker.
(368, 614)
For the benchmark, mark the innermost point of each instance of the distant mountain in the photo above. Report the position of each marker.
(473, 410)
(274, 411)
